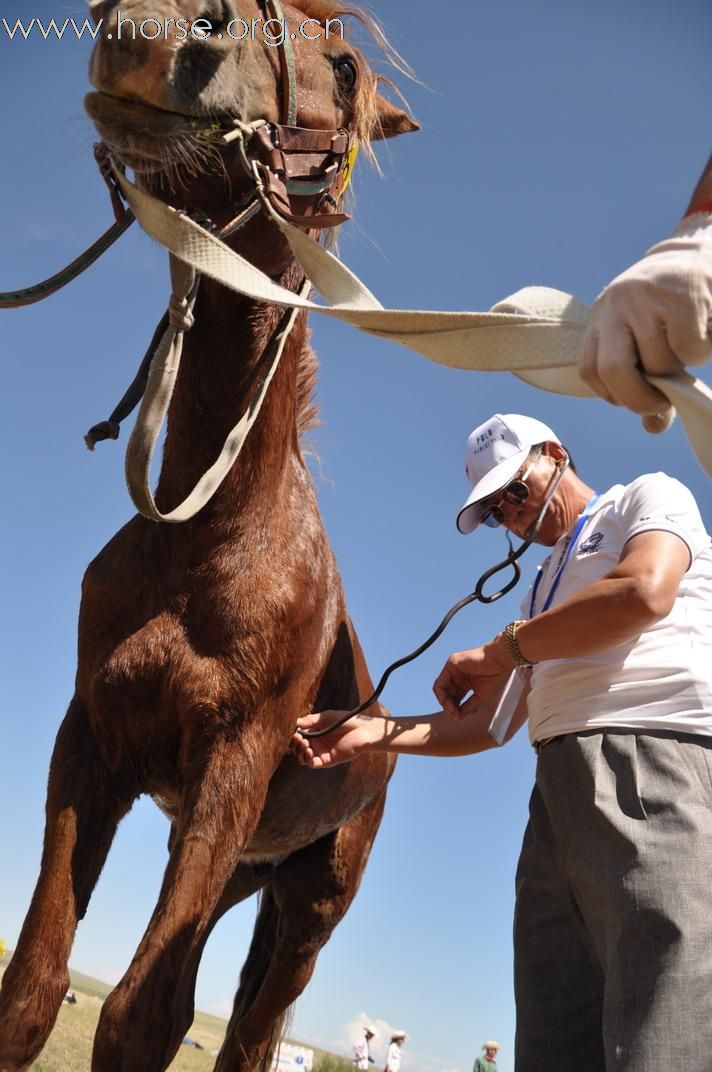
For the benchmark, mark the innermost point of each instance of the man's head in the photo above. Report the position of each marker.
(369, 1031)
(490, 1049)
(511, 461)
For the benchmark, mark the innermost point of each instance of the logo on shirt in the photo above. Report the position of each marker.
(591, 544)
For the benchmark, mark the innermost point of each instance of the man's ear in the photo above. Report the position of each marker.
(392, 120)
(555, 450)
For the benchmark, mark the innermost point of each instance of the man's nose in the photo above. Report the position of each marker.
(514, 519)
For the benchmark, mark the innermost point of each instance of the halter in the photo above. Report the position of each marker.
(282, 161)
(294, 161)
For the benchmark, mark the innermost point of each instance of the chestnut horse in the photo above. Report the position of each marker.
(201, 643)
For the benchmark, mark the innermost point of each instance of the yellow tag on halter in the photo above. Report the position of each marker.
(349, 166)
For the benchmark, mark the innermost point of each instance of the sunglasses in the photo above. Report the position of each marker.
(515, 494)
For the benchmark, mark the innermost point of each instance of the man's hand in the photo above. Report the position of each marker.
(481, 671)
(356, 735)
(655, 318)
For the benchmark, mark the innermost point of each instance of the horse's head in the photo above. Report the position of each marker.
(172, 75)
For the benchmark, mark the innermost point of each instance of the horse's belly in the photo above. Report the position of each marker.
(304, 805)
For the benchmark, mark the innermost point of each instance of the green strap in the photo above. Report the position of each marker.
(289, 86)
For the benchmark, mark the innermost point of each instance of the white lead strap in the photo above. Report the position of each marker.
(535, 334)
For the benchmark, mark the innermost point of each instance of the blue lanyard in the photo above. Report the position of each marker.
(562, 565)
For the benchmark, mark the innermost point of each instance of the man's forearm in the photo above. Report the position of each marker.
(604, 615)
(701, 200)
(438, 735)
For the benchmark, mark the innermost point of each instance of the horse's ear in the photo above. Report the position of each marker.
(392, 120)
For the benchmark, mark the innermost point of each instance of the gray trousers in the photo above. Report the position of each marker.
(613, 921)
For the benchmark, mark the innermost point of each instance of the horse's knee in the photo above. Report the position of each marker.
(129, 1037)
(29, 1003)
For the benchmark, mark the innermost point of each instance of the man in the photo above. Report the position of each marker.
(362, 1056)
(393, 1057)
(488, 1062)
(613, 928)
(655, 317)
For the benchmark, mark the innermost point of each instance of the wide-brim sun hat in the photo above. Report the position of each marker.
(491, 1046)
(495, 451)
(370, 1029)
(398, 1035)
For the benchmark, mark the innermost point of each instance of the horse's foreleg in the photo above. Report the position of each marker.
(305, 900)
(246, 881)
(82, 815)
(143, 1020)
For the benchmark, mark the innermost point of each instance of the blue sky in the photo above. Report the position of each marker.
(559, 141)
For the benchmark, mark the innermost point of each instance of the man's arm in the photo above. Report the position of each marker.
(639, 591)
(423, 735)
(655, 316)
(701, 200)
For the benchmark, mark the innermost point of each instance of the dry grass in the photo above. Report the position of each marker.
(70, 1044)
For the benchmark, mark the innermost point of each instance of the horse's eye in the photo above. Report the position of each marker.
(345, 70)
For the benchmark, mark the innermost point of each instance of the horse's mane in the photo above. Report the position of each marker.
(307, 376)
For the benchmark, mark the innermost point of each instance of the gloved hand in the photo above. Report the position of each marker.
(655, 317)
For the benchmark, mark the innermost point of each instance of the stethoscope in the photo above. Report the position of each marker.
(478, 596)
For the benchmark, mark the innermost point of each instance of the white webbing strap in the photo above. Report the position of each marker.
(536, 334)
(159, 390)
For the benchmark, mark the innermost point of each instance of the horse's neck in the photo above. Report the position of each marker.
(215, 385)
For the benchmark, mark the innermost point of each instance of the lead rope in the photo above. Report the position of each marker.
(16, 299)
(536, 333)
(110, 428)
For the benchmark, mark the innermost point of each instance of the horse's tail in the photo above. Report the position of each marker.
(279, 1030)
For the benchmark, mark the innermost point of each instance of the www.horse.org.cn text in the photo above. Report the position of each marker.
(271, 32)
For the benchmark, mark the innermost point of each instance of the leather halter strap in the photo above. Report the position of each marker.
(298, 162)
(288, 80)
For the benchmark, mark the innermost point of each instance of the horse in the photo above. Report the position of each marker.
(200, 643)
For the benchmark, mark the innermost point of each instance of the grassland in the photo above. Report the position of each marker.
(70, 1044)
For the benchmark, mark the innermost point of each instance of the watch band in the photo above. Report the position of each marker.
(510, 636)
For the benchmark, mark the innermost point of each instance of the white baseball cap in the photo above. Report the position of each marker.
(495, 451)
(370, 1029)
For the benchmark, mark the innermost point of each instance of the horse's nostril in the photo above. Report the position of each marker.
(100, 9)
(218, 13)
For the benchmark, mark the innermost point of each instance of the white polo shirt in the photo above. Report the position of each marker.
(662, 679)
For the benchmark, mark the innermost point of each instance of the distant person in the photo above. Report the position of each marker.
(362, 1052)
(613, 650)
(487, 1062)
(655, 317)
(393, 1058)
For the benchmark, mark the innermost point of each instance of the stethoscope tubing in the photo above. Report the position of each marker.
(477, 596)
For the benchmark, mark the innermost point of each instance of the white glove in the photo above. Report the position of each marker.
(655, 317)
